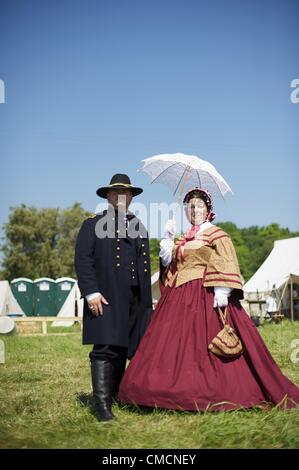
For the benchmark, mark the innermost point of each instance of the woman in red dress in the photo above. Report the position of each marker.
(173, 367)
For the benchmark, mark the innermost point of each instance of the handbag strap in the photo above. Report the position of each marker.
(223, 316)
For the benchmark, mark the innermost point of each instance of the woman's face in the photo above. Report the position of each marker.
(196, 211)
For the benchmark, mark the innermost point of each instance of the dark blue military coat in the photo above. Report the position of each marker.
(102, 265)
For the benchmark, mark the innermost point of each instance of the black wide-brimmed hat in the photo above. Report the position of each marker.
(119, 181)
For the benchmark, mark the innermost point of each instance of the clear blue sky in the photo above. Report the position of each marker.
(93, 87)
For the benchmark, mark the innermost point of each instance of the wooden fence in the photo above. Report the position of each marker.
(45, 320)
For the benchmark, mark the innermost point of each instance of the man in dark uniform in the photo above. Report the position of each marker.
(113, 268)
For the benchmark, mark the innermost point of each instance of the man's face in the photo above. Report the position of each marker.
(120, 198)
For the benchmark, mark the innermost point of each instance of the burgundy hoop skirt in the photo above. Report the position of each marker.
(173, 368)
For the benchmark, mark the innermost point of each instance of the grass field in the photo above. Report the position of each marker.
(45, 402)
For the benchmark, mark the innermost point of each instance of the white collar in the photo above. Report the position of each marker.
(204, 226)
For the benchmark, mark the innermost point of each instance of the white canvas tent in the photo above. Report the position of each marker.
(8, 303)
(280, 269)
(80, 302)
(68, 309)
(275, 270)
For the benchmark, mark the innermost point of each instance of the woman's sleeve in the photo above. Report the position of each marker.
(223, 267)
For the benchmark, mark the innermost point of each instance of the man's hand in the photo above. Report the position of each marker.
(95, 305)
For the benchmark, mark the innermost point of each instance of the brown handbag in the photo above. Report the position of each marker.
(226, 343)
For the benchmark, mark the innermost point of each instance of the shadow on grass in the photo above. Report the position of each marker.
(264, 408)
(136, 409)
(86, 401)
(146, 410)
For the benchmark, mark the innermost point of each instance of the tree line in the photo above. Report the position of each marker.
(41, 242)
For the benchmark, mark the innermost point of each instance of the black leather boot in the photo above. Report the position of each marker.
(102, 384)
(119, 369)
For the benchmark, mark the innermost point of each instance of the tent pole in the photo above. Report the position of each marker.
(282, 295)
(292, 303)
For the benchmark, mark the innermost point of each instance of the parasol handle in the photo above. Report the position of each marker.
(184, 180)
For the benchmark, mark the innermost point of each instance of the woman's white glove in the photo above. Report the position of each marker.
(166, 246)
(169, 229)
(167, 243)
(221, 295)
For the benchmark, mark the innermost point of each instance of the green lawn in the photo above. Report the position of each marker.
(45, 402)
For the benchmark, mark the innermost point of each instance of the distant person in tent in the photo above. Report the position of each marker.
(113, 267)
(271, 303)
(183, 361)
